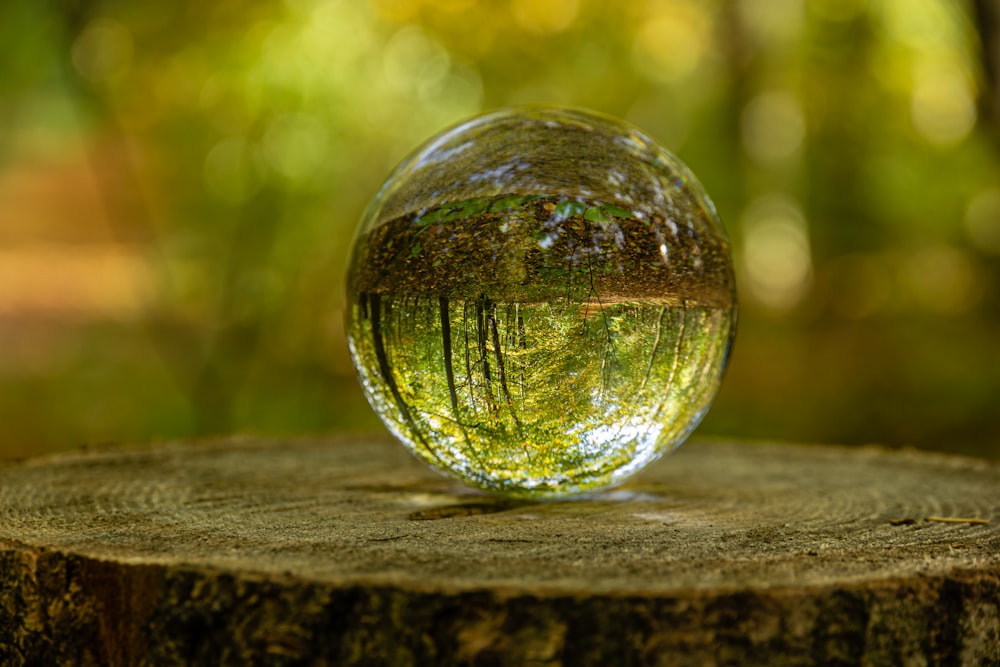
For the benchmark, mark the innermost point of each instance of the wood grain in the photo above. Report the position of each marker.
(348, 551)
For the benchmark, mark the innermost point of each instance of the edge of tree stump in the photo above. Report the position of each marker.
(345, 550)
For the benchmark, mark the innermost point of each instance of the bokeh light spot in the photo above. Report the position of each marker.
(545, 16)
(776, 253)
(414, 61)
(942, 106)
(671, 43)
(103, 51)
(772, 19)
(773, 127)
(295, 146)
(461, 92)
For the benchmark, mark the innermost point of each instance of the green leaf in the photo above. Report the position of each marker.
(568, 208)
(597, 214)
(430, 218)
(618, 212)
(466, 209)
(504, 203)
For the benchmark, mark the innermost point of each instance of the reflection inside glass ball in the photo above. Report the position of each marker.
(540, 302)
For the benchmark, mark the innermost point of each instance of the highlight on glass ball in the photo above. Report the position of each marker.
(541, 302)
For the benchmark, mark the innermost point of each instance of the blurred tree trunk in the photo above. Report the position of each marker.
(987, 16)
(209, 359)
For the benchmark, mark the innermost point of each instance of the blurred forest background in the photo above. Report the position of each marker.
(180, 181)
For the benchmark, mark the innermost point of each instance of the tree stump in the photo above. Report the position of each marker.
(346, 550)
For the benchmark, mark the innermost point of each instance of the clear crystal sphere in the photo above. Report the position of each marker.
(541, 301)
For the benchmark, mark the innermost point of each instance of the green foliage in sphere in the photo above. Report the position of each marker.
(541, 302)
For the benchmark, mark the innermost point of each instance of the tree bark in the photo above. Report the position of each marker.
(347, 550)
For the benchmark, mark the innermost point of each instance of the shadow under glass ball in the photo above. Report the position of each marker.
(540, 302)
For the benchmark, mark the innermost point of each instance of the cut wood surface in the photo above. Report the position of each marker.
(347, 550)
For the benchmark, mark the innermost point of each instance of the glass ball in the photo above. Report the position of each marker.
(540, 301)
